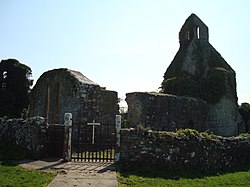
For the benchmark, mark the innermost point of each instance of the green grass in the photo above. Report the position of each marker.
(13, 175)
(17, 176)
(160, 178)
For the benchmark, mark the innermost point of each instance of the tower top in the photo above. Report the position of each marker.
(193, 29)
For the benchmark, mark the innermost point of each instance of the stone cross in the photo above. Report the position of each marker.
(93, 131)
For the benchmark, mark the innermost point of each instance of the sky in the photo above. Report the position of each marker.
(123, 45)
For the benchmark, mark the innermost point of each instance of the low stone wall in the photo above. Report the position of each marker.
(166, 112)
(169, 112)
(29, 133)
(190, 150)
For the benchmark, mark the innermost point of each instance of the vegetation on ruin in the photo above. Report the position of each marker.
(207, 85)
(180, 133)
(13, 175)
(195, 133)
(15, 84)
(244, 135)
(162, 177)
(210, 89)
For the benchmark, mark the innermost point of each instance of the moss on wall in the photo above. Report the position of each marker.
(185, 149)
(199, 71)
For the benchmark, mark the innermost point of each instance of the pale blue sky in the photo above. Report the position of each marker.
(126, 45)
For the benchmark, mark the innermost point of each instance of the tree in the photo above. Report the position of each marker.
(15, 84)
(244, 110)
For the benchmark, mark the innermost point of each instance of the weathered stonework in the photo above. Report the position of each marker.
(61, 91)
(197, 71)
(30, 133)
(170, 112)
(166, 112)
(223, 118)
(182, 151)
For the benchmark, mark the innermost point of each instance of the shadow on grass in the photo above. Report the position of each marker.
(10, 154)
(154, 172)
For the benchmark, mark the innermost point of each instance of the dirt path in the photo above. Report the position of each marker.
(77, 174)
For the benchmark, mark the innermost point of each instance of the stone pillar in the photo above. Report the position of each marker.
(118, 122)
(67, 137)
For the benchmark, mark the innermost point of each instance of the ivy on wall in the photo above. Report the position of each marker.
(213, 77)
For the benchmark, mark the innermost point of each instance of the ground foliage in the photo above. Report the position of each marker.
(163, 177)
(10, 153)
(15, 84)
(13, 175)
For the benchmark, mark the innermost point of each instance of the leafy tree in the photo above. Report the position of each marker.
(244, 110)
(15, 84)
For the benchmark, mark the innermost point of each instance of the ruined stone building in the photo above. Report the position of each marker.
(198, 90)
(61, 91)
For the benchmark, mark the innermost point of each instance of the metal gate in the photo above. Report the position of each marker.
(55, 135)
(93, 142)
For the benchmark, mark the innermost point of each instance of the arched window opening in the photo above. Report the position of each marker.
(188, 35)
(198, 33)
(4, 85)
(4, 74)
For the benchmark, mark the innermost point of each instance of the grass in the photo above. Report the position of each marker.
(161, 177)
(17, 176)
(13, 175)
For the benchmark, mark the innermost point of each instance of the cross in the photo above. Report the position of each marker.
(93, 135)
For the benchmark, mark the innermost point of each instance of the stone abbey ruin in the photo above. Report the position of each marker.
(198, 90)
(198, 93)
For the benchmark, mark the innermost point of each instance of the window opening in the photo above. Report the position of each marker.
(4, 74)
(4, 85)
(198, 33)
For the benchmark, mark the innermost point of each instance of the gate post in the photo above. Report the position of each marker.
(67, 137)
(118, 122)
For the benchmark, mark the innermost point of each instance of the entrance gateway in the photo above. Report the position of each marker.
(95, 142)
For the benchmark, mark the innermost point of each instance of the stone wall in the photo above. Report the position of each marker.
(189, 150)
(223, 118)
(29, 133)
(165, 112)
(169, 112)
(61, 91)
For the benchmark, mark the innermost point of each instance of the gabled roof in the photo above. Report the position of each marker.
(75, 75)
(80, 77)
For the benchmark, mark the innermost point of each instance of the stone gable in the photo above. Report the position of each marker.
(197, 72)
(60, 91)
